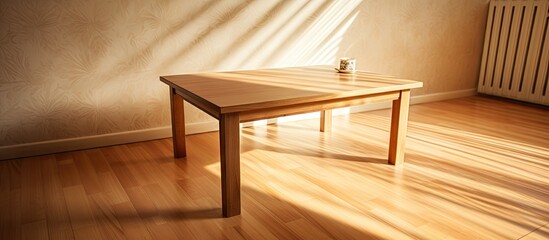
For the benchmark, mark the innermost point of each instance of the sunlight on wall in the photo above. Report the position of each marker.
(327, 32)
(83, 68)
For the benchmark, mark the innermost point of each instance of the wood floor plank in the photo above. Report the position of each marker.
(112, 188)
(105, 218)
(14, 223)
(132, 226)
(67, 170)
(304, 229)
(87, 172)
(169, 212)
(249, 228)
(100, 164)
(81, 214)
(118, 164)
(5, 185)
(147, 171)
(35, 230)
(265, 217)
(5, 208)
(145, 207)
(58, 219)
(32, 192)
(539, 233)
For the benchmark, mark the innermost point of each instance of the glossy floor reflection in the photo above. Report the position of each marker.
(475, 168)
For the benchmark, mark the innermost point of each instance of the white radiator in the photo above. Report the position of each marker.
(515, 59)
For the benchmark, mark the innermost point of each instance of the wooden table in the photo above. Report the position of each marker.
(242, 96)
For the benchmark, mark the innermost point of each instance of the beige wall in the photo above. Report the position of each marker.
(72, 68)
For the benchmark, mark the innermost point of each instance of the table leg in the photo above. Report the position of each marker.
(399, 122)
(325, 120)
(229, 139)
(178, 124)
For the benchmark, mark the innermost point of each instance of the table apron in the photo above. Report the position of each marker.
(258, 114)
(201, 104)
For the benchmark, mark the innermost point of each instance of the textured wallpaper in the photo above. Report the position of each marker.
(72, 68)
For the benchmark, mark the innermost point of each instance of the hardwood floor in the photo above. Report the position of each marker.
(475, 168)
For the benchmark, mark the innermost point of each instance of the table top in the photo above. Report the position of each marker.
(238, 91)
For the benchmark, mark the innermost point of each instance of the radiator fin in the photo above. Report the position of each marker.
(515, 59)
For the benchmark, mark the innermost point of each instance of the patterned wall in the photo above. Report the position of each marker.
(72, 68)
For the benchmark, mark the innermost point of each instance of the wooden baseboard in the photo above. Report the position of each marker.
(435, 97)
(71, 144)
